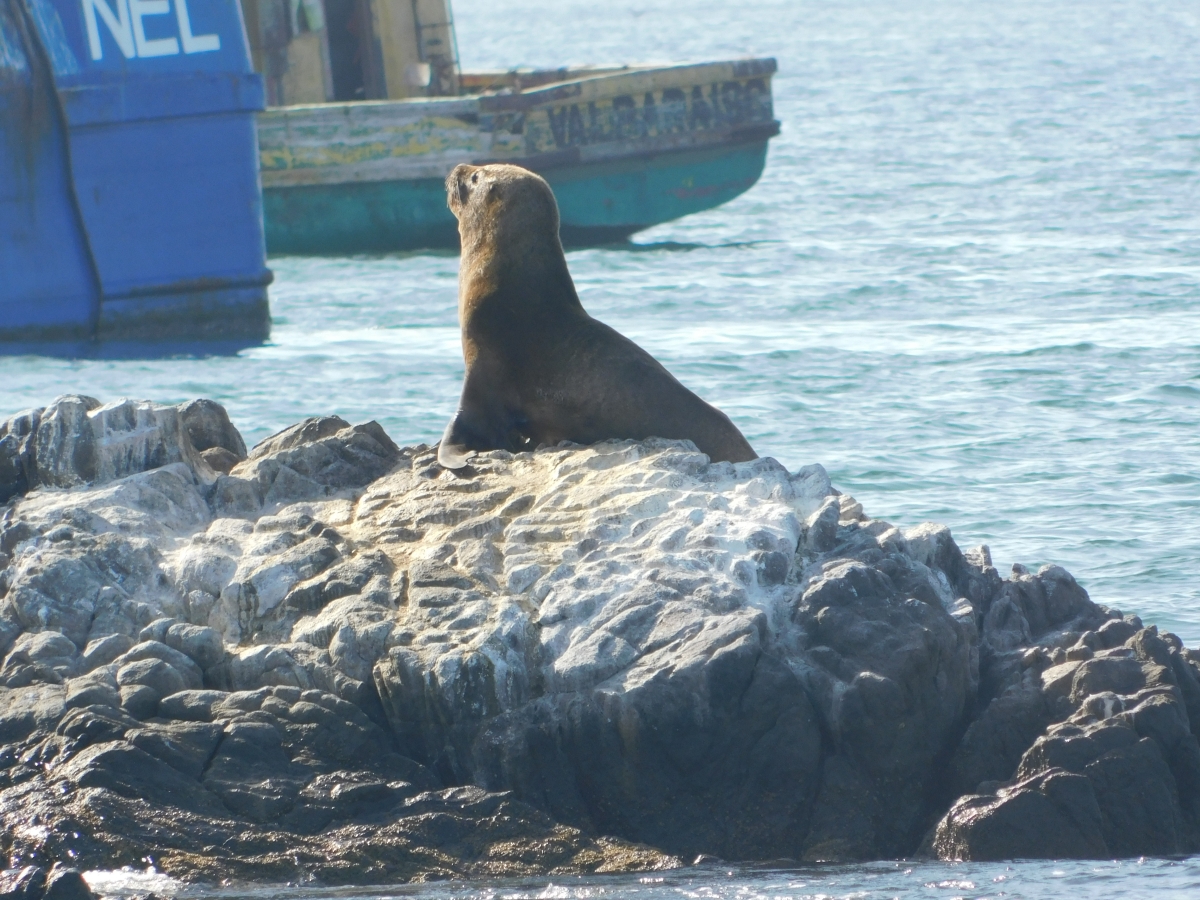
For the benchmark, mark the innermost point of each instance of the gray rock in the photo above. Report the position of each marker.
(201, 643)
(12, 536)
(128, 771)
(367, 573)
(29, 710)
(192, 677)
(84, 692)
(65, 445)
(56, 598)
(317, 457)
(996, 740)
(157, 630)
(191, 706)
(309, 431)
(18, 464)
(355, 632)
(621, 639)
(235, 497)
(51, 648)
(187, 748)
(153, 673)
(1138, 801)
(78, 441)
(1133, 746)
(350, 821)
(26, 883)
(219, 459)
(9, 632)
(66, 884)
(208, 427)
(1053, 815)
(140, 700)
(1115, 632)
(356, 646)
(288, 486)
(252, 774)
(102, 651)
(1115, 674)
(344, 795)
(94, 725)
(893, 679)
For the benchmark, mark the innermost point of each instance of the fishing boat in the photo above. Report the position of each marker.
(368, 111)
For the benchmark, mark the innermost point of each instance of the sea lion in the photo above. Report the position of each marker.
(539, 369)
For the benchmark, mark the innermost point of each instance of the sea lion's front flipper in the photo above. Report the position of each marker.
(455, 448)
(467, 434)
(484, 421)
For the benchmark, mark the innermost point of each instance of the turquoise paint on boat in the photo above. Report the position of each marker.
(597, 201)
(627, 195)
(363, 217)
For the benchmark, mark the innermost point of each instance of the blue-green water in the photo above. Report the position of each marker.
(1140, 879)
(968, 284)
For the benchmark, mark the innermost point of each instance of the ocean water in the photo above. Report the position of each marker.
(968, 284)
(1141, 879)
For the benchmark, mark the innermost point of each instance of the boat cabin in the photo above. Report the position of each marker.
(322, 51)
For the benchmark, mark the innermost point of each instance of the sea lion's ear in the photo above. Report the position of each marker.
(456, 188)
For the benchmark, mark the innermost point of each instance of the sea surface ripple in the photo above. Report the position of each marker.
(967, 284)
(1134, 879)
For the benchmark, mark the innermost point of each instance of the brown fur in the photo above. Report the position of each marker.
(539, 369)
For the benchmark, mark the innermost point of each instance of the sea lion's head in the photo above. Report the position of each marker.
(508, 225)
(502, 205)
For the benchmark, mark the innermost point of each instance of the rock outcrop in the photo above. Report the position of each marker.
(37, 883)
(329, 657)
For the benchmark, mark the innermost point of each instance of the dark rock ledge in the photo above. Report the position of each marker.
(329, 658)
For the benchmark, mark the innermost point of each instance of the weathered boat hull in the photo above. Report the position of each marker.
(598, 202)
(624, 149)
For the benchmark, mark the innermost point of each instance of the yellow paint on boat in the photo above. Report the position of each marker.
(615, 114)
(328, 148)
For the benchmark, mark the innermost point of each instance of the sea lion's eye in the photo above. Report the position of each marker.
(474, 178)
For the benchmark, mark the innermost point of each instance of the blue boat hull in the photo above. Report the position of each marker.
(130, 205)
(598, 202)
